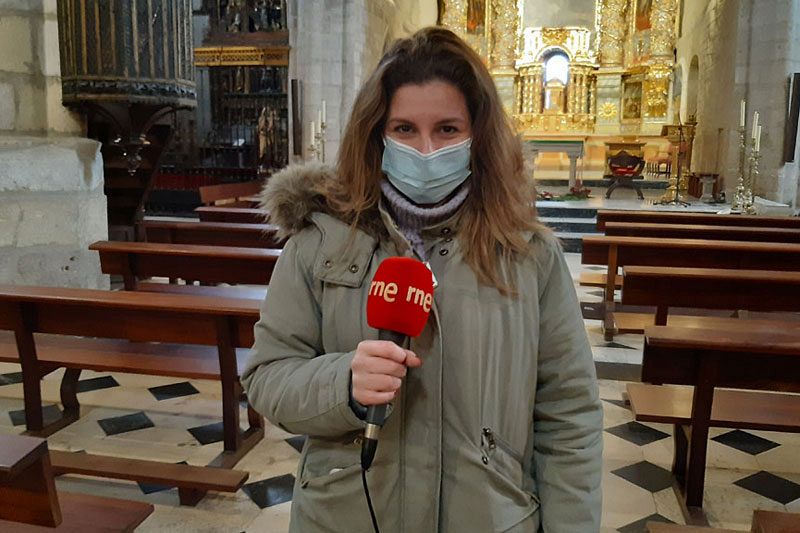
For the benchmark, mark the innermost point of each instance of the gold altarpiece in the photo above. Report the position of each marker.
(620, 70)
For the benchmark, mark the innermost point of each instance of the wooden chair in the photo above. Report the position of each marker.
(184, 336)
(29, 501)
(625, 168)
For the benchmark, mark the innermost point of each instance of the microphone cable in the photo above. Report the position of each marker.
(369, 501)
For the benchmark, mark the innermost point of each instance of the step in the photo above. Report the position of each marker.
(554, 210)
(599, 183)
(571, 225)
(572, 242)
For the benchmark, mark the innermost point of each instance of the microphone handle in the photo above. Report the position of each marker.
(376, 414)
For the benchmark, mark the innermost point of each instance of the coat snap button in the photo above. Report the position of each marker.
(485, 459)
(446, 231)
(449, 239)
(353, 268)
(328, 263)
(444, 251)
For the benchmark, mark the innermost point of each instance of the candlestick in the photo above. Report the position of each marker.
(742, 114)
(757, 144)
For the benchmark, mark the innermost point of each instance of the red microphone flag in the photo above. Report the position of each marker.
(400, 296)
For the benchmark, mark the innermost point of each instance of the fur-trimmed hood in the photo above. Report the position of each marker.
(292, 195)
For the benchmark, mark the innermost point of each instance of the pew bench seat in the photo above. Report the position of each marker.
(731, 408)
(118, 355)
(246, 293)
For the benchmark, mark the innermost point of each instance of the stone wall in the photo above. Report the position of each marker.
(745, 49)
(335, 45)
(52, 204)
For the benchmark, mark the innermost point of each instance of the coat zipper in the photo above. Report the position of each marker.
(493, 441)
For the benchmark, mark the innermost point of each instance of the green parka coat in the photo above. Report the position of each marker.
(499, 430)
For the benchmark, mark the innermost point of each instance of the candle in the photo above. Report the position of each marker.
(755, 124)
(757, 146)
(319, 118)
(312, 128)
(324, 113)
(742, 114)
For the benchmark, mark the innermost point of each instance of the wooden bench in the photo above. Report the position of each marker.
(683, 217)
(644, 251)
(231, 194)
(745, 358)
(211, 233)
(696, 231)
(236, 215)
(182, 336)
(29, 501)
(135, 261)
(775, 522)
(658, 527)
(707, 288)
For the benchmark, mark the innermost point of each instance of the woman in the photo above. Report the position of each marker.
(500, 428)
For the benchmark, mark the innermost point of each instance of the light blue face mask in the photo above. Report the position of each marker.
(426, 178)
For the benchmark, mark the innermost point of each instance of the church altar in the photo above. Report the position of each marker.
(596, 69)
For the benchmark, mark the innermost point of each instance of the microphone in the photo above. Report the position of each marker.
(399, 302)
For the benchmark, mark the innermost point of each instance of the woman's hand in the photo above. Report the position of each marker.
(378, 369)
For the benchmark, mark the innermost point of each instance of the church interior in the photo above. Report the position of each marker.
(661, 137)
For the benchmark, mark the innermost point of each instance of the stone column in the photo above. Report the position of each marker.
(52, 205)
(503, 48)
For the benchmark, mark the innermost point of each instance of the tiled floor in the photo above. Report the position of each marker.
(175, 421)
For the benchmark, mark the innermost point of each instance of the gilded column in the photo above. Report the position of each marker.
(662, 40)
(536, 91)
(503, 48)
(612, 32)
(454, 17)
(662, 34)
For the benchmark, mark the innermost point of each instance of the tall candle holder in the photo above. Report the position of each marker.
(752, 175)
(738, 195)
(320, 140)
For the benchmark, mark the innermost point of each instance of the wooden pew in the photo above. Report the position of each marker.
(683, 217)
(236, 215)
(707, 288)
(658, 527)
(135, 261)
(231, 194)
(643, 251)
(746, 358)
(695, 231)
(183, 336)
(211, 233)
(29, 501)
(775, 522)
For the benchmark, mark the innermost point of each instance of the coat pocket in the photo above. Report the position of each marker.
(506, 482)
(324, 460)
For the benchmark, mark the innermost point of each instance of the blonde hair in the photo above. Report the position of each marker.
(500, 206)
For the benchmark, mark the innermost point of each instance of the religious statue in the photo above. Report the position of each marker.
(266, 136)
(238, 83)
(233, 15)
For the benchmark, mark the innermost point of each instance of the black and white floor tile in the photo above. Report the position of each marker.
(175, 421)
